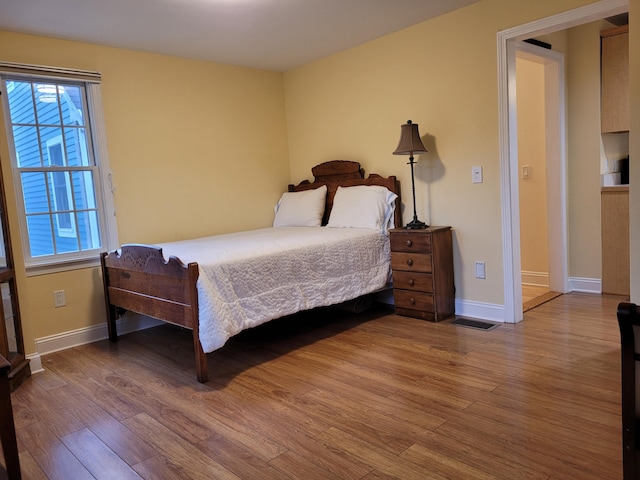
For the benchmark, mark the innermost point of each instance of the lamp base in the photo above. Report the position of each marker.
(416, 225)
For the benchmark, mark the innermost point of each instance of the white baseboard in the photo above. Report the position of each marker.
(469, 308)
(576, 284)
(480, 310)
(540, 279)
(586, 285)
(35, 363)
(131, 322)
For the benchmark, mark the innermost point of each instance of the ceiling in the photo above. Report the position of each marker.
(267, 34)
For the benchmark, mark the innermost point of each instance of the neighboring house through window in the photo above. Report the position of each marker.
(60, 167)
(62, 199)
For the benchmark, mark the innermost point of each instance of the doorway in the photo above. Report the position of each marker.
(507, 39)
(541, 173)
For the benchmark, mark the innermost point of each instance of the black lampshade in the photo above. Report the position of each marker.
(410, 142)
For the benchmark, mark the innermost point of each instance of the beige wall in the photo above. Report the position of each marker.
(176, 132)
(530, 78)
(196, 148)
(442, 74)
(583, 145)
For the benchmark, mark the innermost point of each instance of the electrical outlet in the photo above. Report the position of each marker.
(58, 298)
(480, 270)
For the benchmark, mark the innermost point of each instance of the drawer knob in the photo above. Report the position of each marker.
(412, 301)
(411, 282)
(409, 262)
(409, 243)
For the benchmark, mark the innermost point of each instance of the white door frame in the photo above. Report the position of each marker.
(556, 163)
(508, 135)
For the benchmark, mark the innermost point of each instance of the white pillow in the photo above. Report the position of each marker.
(301, 209)
(363, 206)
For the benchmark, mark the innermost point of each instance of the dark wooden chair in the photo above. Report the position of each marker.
(7, 427)
(629, 322)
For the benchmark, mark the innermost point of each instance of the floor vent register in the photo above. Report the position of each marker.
(477, 324)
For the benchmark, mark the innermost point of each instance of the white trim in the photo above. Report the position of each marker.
(539, 279)
(44, 70)
(509, 182)
(480, 310)
(508, 128)
(555, 161)
(91, 261)
(131, 322)
(35, 363)
(585, 285)
(106, 190)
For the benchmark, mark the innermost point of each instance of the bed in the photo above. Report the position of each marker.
(314, 255)
(629, 322)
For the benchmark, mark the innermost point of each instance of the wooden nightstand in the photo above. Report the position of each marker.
(422, 264)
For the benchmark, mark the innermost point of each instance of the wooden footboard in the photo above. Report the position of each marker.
(628, 318)
(138, 278)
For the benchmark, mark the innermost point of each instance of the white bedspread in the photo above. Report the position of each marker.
(249, 278)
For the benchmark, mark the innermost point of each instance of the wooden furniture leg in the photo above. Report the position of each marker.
(202, 370)
(112, 314)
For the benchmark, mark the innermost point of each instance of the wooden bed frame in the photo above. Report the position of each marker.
(138, 278)
(628, 318)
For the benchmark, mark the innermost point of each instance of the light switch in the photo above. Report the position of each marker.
(476, 174)
(526, 172)
(480, 270)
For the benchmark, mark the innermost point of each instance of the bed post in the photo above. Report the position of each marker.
(628, 317)
(201, 358)
(112, 313)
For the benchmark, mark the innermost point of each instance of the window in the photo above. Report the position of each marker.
(62, 179)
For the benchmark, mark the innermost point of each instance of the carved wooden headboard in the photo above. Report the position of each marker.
(345, 173)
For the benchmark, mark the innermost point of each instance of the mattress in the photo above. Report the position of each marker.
(249, 278)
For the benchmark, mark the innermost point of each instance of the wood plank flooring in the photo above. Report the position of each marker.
(529, 292)
(533, 296)
(331, 395)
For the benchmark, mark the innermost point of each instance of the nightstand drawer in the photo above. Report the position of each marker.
(414, 281)
(415, 262)
(410, 242)
(413, 300)
(422, 264)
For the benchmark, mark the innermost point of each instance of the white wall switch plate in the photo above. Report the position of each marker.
(476, 174)
(480, 270)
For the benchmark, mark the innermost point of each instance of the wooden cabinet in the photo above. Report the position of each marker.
(422, 264)
(11, 342)
(614, 111)
(615, 240)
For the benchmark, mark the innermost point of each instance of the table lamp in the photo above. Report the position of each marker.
(409, 144)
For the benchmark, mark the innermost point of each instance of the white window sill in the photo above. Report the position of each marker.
(45, 269)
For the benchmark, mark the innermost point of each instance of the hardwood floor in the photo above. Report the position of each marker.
(330, 395)
(529, 292)
(533, 296)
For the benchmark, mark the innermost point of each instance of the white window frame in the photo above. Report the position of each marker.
(103, 182)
